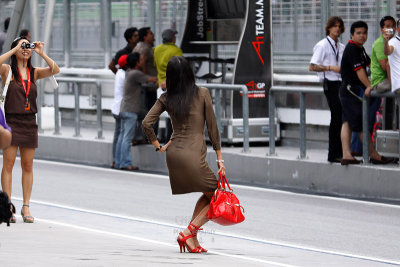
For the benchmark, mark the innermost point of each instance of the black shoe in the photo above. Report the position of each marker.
(350, 161)
(335, 160)
(383, 160)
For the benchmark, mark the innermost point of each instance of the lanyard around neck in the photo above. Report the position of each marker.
(336, 52)
(28, 77)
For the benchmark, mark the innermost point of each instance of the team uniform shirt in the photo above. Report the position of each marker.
(394, 62)
(377, 73)
(354, 58)
(118, 91)
(327, 52)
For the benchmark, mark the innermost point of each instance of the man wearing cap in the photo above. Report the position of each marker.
(162, 54)
(132, 37)
(115, 107)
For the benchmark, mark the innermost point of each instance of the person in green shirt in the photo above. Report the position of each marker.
(380, 82)
(380, 73)
(162, 54)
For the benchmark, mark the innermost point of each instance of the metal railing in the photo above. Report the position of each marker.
(365, 118)
(302, 91)
(245, 107)
(76, 81)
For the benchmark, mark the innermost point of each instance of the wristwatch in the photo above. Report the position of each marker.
(158, 148)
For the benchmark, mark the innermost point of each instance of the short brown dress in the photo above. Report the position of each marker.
(22, 122)
(186, 155)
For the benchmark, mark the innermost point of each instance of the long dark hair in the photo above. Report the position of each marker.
(181, 88)
(14, 63)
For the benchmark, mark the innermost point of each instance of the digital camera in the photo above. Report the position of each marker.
(28, 46)
(389, 31)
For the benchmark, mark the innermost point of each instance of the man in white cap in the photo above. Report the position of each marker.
(162, 54)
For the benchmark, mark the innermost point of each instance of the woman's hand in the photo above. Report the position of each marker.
(38, 47)
(221, 168)
(164, 147)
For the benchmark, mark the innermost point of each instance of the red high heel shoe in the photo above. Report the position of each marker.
(194, 233)
(182, 243)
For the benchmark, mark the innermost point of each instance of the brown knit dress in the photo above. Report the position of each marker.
(22, 122)
(186, 155)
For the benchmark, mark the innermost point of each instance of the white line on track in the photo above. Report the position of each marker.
(264, 241)
(158, 242)
(260, 189)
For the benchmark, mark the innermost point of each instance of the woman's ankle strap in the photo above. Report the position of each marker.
(25, 206)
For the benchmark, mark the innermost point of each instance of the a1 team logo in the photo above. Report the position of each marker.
(257, 46)
(255, 86)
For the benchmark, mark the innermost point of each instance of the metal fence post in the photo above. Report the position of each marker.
(56, 112)
(245, 107)
(218, 108)
(398, 118)
(99, 112)
(77, 111)
(365, 120)
(302, 126)
(271, 104)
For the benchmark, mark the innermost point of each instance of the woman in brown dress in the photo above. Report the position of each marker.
(20, 111)
(189, 107)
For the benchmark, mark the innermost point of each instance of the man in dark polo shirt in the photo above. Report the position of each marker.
(132, 37)
(355, 80)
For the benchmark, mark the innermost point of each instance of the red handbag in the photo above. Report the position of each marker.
(225, 208)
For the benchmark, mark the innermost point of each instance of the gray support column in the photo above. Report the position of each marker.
(35, 35)
(130, 13)
(15, 22)
(365, 119)
(56, 112)
(106, 29)
(271, 104)
(398, 120)
(391, 8)
(245, 107)
(151, 15)
(378, 18)
(67, 33)
(325, 14)
(295, 26)
(75, 24)
(48, 27)
(77, 111)
(99, 112)
(302, 125)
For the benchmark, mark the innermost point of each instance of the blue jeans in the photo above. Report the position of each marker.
(117, 131)
(123, 153)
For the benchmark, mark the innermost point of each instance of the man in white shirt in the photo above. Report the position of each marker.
(327, 55)
(116, 105)
(392, 50)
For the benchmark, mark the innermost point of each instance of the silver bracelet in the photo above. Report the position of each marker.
(220, 160)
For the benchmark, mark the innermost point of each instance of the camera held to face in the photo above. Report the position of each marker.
(389, 31)
(28, 46)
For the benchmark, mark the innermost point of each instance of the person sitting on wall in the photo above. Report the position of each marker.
(354, 80)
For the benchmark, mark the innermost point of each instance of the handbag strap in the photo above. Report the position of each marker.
(222, 180)
(4, 93)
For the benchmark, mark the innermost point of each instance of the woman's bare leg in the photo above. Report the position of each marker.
(27, 155)
(200, 219)
(9, 155)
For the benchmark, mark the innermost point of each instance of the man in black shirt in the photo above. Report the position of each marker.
(132, 37)
(355, 80)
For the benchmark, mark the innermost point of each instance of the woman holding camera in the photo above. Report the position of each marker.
(20, 110)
